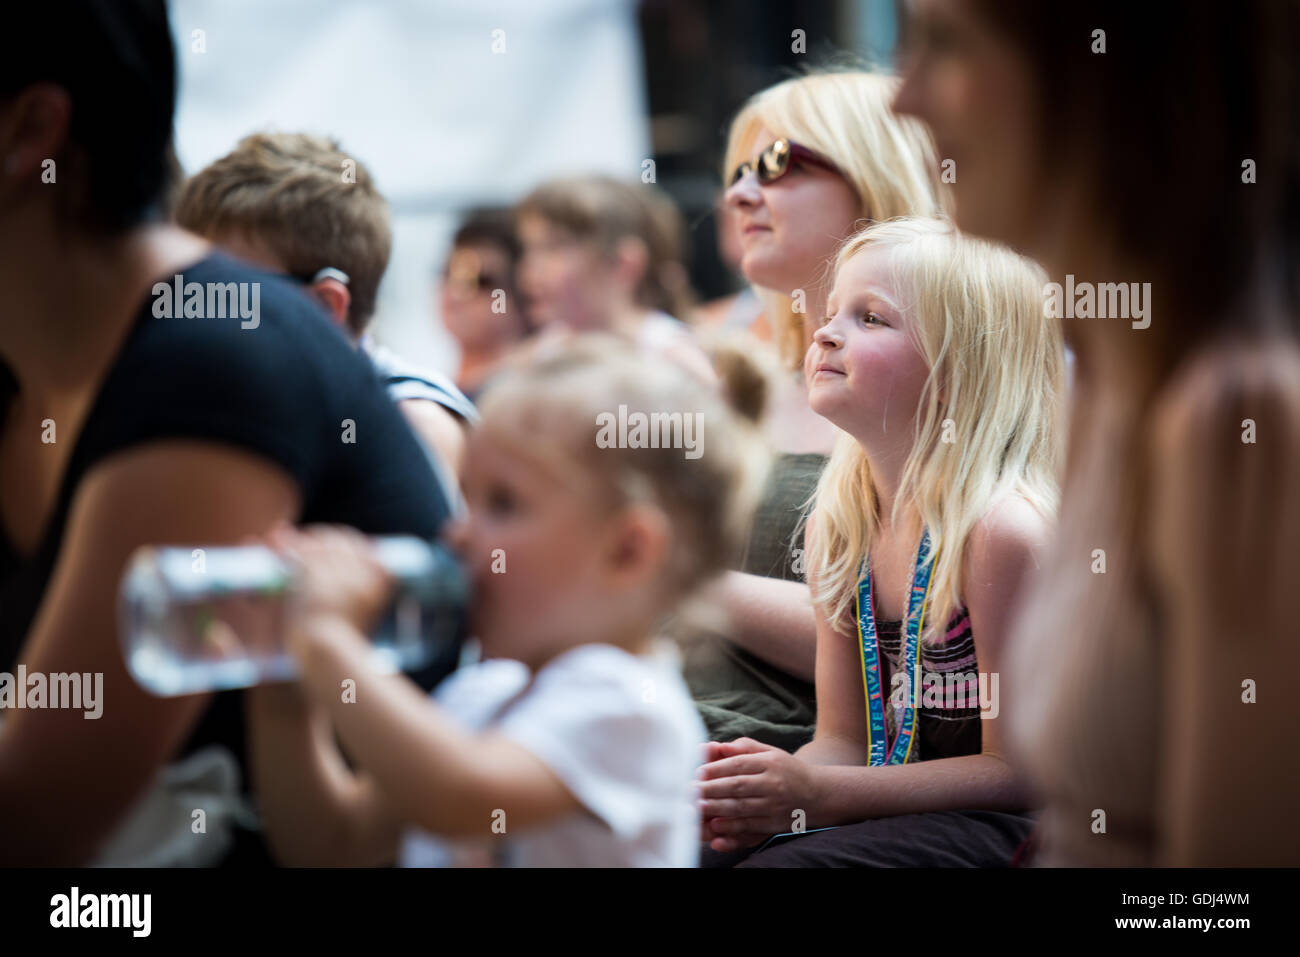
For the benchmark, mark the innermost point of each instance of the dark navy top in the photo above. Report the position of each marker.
(280, 390)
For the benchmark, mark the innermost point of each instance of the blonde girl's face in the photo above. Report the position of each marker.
(864, 370)
(790, 228)
(530, 545)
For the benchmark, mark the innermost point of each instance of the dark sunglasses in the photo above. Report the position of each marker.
(481, 282)
(465, 275)
(777, 160)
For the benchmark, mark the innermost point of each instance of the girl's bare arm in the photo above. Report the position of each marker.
(1002, 552)
(431, 771)
(841, 734)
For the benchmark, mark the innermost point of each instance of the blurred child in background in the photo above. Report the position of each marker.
(601, 254)
(574, 742)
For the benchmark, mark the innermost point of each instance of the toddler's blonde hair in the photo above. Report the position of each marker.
(556, 401)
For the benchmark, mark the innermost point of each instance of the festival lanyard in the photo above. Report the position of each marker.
(877, 733)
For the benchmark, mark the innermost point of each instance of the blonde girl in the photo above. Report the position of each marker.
(935, 360)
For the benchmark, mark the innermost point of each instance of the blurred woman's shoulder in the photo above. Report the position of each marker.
(1246, 390)
(1224, 466)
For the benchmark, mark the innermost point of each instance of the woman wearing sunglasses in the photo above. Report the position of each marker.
(808, 161)
(486, 324)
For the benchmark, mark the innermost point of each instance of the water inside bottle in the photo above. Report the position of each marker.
(216, 631)
(212, 643)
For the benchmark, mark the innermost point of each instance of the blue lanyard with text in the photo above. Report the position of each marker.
(869, 643)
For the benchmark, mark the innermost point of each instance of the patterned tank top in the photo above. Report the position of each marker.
(948, 720)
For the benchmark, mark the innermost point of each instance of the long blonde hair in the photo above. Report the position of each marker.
(845, 116)
(999, 365)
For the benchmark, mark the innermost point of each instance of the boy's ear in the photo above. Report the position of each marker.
(639, 546)
(336, 299)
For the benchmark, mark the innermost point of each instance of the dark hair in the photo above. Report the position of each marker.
(115, 60)
(1160, 125)
(494, 226)
(490, 226)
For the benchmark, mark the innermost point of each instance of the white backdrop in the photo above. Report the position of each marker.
(414, 90)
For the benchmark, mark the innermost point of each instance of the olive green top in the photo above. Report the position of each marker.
(737, 693)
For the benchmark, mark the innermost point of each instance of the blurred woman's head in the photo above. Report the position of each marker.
(847, 159)
(87, 90)
(1163, 135)
(479, 297)
(596, 247)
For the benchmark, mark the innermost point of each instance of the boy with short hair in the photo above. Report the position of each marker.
(296, 204)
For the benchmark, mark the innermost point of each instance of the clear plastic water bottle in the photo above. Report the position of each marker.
(211, 619)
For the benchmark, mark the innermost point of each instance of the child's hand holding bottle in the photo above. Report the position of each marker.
(342, 587)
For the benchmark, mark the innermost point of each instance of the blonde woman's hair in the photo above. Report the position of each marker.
(558, 402)
(845, 116)
(999, 365)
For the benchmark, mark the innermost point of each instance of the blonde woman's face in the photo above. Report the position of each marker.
(864, 370)
(790, 228)
(975, 91)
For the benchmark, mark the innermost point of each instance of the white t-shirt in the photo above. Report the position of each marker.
(618, 729)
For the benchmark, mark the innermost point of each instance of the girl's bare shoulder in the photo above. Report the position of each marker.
(1013, 525)
(1004, 547)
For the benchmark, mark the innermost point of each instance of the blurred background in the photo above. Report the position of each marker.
(460, 103)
